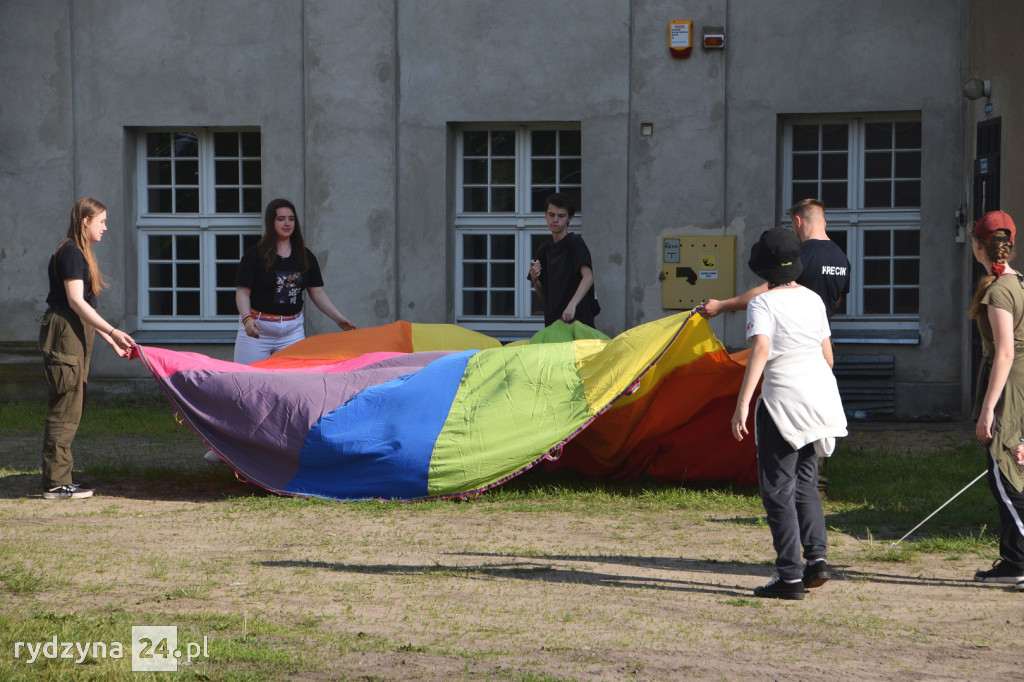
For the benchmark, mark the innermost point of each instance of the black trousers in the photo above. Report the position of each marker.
(1011, 515)
(789, 491)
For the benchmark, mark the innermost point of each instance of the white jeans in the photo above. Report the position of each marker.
(273, 337)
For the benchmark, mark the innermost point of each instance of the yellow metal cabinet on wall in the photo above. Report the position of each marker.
(696, 268)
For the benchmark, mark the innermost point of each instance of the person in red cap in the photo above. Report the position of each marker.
(998, 309)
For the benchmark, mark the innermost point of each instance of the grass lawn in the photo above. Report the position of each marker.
(545, 577)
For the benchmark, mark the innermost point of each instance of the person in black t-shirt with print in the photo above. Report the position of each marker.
(826, 272)
(272, 277)
(826, 267)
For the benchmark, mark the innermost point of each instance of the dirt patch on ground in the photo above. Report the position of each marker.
(477, 590)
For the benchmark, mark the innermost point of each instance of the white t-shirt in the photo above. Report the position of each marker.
(792, 317)
(798, 387)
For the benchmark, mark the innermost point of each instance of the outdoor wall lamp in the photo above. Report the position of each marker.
(713, 37)
(975, 88)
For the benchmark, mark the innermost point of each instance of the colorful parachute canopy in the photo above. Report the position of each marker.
(415, 411)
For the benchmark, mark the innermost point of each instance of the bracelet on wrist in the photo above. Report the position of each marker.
(246, 318)
(111, 332)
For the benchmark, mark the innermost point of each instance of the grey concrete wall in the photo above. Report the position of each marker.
(676, 175)
(524, 61)
(867, 56)
(179, 64)
(996, 55)
(37, 180)
(97, 69)
(350, 166)
(358, 102)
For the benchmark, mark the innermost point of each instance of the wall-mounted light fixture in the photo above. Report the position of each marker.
(713, 37)
(975, 88)
(646, 129)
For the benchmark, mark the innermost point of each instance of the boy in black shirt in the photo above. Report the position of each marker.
(561, 271)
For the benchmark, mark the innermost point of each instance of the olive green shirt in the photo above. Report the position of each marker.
(1006, 293)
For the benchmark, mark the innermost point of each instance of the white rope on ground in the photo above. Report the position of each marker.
(939, 509)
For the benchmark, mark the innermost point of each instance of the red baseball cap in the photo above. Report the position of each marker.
(995, 220)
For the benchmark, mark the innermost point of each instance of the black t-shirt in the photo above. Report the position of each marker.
(279, 290)
(68, 262)
(826, 271)
(560, 264)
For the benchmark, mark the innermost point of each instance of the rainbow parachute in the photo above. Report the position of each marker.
(415, 411)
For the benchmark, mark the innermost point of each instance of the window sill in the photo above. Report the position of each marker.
(899, 337)
(504, 331)
(507, 335)
(184, 336)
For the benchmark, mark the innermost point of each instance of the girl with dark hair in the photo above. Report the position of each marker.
(66, 338)
(998, 308)
(272, 276)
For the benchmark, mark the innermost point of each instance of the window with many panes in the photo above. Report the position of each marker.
(503, 177)
(867, 171)
(200, 206)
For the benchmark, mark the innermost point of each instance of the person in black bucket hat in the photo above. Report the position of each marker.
(826, 273)
(798, 416)
(775, 257)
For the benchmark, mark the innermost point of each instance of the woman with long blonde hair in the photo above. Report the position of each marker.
(998, 308)
(66, 338)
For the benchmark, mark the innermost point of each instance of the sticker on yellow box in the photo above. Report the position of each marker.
(709, 266)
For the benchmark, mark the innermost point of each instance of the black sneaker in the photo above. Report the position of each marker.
(816, 575)
(780, 589)
(1001, 572)
(67, 492)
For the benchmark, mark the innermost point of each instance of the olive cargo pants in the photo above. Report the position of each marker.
(66, 343)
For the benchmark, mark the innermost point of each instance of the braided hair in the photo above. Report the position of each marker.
(999, 251)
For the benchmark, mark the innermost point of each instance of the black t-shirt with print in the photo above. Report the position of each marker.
(826, 271)
(279, 290)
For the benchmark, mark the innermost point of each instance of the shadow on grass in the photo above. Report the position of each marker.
(152, 484)
(540, 479)
(874, 494)
(885, 526)
(869, 519)
(543, 568)
(869, 498)
(533, 568)
(840, 572)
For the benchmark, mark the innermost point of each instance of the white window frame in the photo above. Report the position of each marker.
(522, 222)
(856, 220)
(206, 223)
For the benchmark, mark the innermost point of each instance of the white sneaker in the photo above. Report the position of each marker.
(71, 491)
(1019, 586)
(212, 457)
